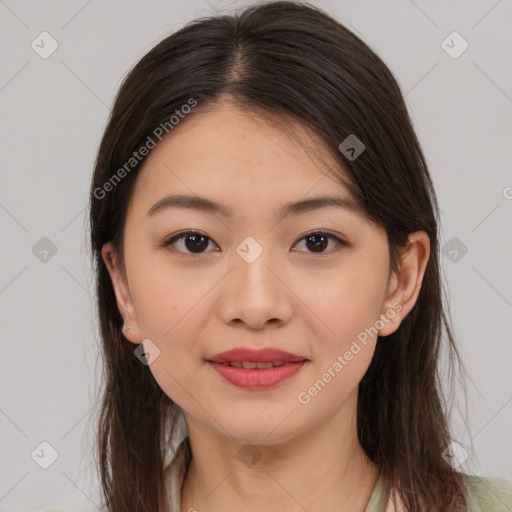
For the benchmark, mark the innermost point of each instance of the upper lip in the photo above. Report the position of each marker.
(265, 355)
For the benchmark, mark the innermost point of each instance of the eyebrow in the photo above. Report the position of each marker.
(205, 205)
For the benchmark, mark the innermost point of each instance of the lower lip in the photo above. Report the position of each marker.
(257, 378)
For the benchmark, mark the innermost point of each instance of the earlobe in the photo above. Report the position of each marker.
(405, 285)
(122, 293)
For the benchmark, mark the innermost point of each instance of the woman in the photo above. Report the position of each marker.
(265, 233)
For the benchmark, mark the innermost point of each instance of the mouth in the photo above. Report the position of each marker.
(256, 368)
(252, 365)
(250, 358)
(257, 375)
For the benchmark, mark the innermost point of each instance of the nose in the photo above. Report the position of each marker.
(256, 294)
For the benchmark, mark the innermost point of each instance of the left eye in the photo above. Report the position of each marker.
(320, 239)
(195, 242)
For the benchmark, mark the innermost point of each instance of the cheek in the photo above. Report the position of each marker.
(349, 306)
(351, 301)
(172, 314)
(169, 299)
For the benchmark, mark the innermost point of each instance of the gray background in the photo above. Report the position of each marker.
(53, 112)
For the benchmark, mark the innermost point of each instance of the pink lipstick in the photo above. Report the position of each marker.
(256, 369)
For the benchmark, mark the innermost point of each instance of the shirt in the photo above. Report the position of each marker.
(485, 494)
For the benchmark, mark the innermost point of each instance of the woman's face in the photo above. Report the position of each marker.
(256, 279)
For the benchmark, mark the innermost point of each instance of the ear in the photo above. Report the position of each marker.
(123, 296)
(405, 285)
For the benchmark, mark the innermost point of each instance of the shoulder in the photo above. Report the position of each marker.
(488, 494)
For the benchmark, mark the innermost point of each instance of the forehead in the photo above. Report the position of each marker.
(226, 152)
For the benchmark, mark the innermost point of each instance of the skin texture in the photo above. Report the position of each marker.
(195, 305)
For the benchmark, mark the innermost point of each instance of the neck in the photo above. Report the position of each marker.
(324, 470)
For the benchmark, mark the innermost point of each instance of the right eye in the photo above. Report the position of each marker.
(192, 241)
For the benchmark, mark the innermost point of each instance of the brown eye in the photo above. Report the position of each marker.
(317, 241)
(193, 242)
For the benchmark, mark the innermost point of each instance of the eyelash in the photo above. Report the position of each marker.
(166, 243)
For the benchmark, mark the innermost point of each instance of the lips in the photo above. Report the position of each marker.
(256, 369)
(249, 358)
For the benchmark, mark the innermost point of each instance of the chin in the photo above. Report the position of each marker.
(268, 432)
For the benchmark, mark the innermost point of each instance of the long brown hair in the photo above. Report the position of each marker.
(289, 59)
